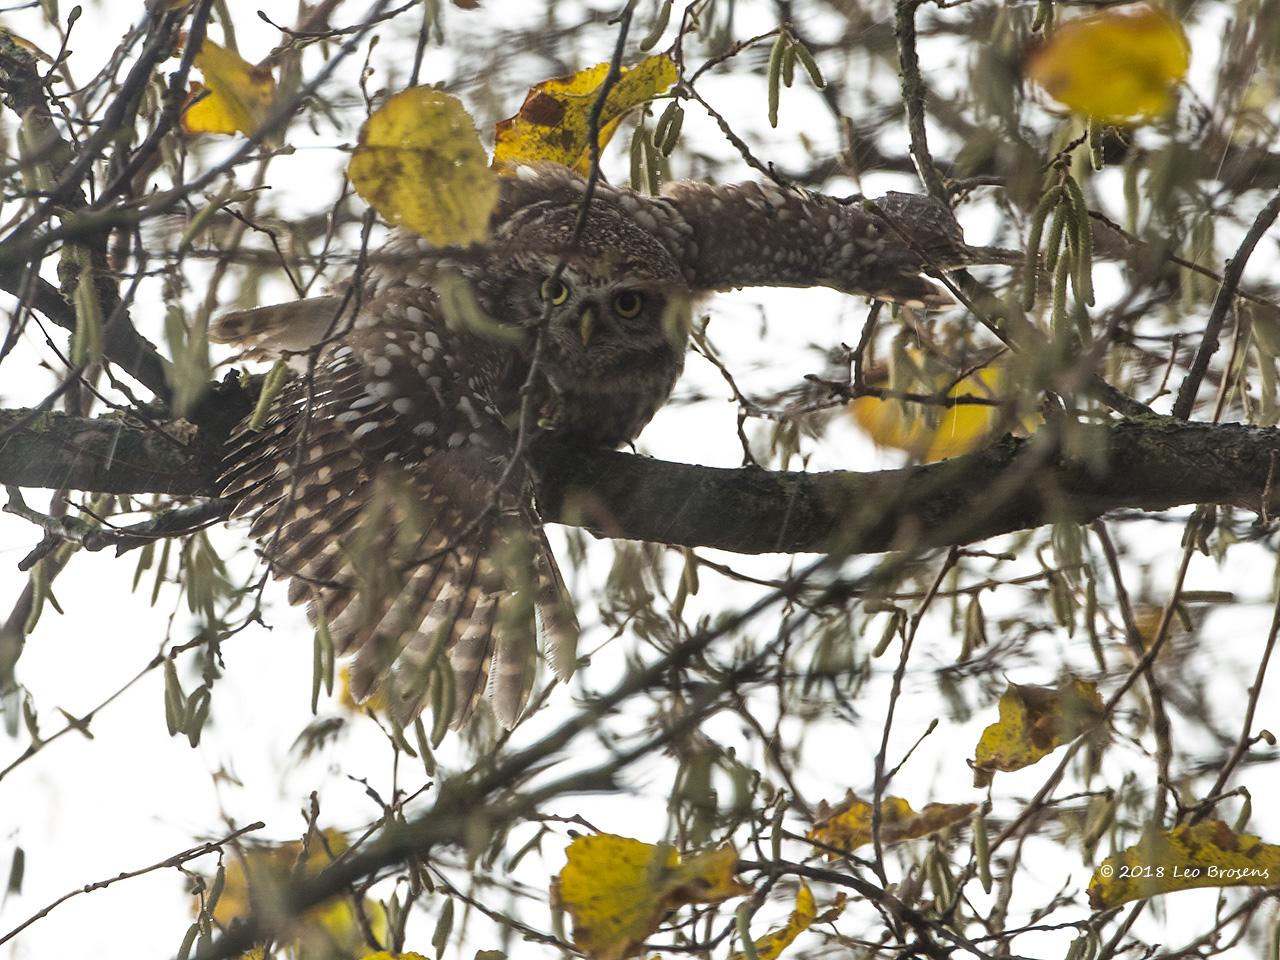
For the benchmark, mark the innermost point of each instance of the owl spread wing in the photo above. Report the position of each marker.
(376, 489)
(381, 486)
(751, 234)
(760, 234)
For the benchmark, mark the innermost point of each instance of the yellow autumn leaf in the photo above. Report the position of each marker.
(847, 825)
(206, 112)
(1034, 721)
(805, 915)
(1117, 65)
(376, 701)
(252, 883)
(420, 164)
(1208, 854)
(617, 890)
(8, 35)
(235, 95)
(939, 432)
(554, 120)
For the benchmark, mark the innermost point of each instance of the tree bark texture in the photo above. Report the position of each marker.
(1074, 474)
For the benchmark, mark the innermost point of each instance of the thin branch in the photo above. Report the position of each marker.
(913, 92)
(1222, 303)
(122, 344)
(176, 860)
(1160, 724)
(1247, 738)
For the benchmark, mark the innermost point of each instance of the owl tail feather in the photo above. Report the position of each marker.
(472, 620)
(523, 605)
(432, 607)
(557, 625)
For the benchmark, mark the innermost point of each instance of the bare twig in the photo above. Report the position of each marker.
(177, 860)
(1231, 275)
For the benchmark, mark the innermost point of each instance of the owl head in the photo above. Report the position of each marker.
(619, 305)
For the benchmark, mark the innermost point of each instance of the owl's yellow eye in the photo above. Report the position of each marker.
(556, 291)
(628, 303)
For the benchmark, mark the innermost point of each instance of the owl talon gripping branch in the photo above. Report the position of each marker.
(382, 485)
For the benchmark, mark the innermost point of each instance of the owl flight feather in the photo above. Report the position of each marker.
(384, 487)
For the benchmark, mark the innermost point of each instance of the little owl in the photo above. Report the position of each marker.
(387, 484)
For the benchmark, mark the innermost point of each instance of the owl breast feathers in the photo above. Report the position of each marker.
(386, 485)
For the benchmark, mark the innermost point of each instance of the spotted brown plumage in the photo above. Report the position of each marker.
(385, 486)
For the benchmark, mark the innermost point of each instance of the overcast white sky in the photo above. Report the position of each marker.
(85, 810)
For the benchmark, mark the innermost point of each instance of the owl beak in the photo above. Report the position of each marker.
(586, 324)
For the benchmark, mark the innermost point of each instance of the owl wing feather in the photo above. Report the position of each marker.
(760, 234)
(750, 234)
(376, 491)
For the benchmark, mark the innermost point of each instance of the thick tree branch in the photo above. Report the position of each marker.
(1016, 484)
(1145, 464)
(104, 455)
